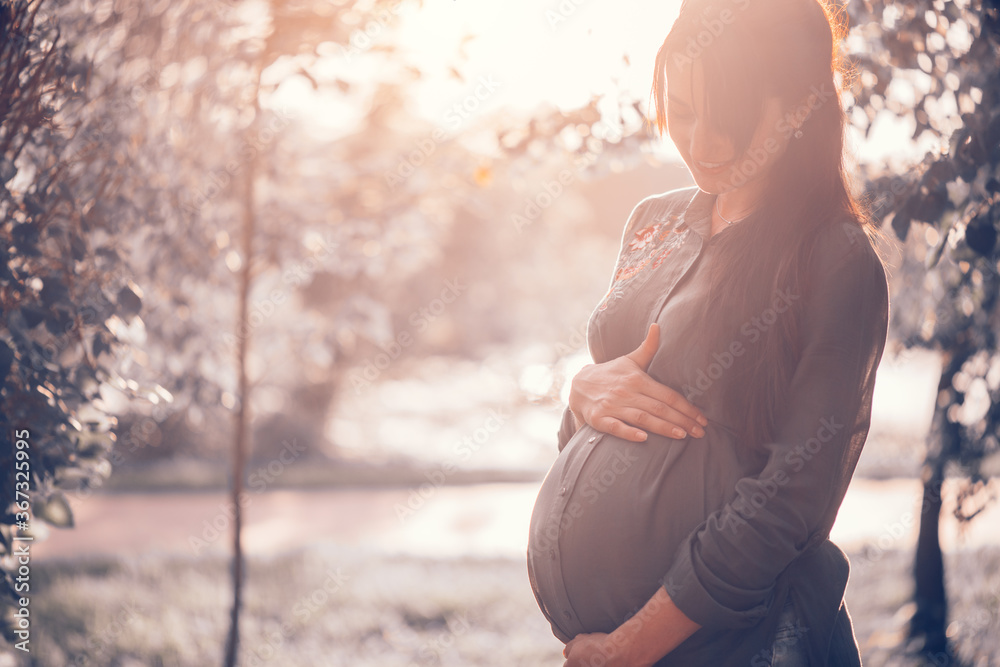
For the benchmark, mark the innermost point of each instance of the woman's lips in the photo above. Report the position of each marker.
(711, 168)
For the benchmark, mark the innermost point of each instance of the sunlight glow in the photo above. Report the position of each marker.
(559, 54)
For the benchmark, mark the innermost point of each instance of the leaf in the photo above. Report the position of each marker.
(482, 175)
(934, 256)
(5, 273)
(939, 173)
(32, 316)
(25, 237)
(33, 205)
(129, 302)
(54, 510)
(77, 246)
(7, 170)
(54, 292)
(981, 235)
(901, 220)
(932, 207)
(71, 478)
(58, 321)
(93, 444)
(100, 345)
(6, 359)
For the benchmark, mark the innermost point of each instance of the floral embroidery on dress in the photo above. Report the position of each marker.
(648, 248)
(643, 237)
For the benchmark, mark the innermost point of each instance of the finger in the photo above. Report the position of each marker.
(620, 429)
(644, 354)
(669, 404)
(568, 649)
(654, 415)
(568, 654)
(675, 426)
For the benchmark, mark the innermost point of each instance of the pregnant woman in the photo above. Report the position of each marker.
(704, 455)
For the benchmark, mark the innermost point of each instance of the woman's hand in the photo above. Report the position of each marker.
(648, 635)
(619, 397)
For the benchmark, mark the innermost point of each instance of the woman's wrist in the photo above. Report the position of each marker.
(656, 630)
(573, 398)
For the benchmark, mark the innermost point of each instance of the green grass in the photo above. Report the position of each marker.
(347, 607)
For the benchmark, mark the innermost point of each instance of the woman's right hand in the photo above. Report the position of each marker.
(620, 398)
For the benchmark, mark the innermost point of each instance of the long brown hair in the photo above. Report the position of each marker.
(750, 50)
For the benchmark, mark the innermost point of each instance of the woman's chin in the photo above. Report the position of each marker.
(714, 181)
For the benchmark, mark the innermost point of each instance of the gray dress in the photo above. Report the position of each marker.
(729, 539)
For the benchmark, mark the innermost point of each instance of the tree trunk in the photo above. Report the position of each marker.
(930, 618)
(242, 413)
(932, 607)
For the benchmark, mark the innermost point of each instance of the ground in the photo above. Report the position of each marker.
(346, 606)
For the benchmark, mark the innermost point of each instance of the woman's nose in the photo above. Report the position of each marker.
(709, 145)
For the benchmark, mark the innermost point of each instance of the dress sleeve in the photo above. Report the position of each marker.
(724, 572)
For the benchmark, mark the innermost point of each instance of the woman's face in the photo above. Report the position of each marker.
(709, 154)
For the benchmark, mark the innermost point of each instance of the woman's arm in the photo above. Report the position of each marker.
(656, 630)
(723, 573)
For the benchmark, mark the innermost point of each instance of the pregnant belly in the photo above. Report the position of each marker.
(610, 516)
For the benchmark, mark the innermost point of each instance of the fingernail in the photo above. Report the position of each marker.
(698, 431)
(679, 432)
(702, 420)
(641, 435)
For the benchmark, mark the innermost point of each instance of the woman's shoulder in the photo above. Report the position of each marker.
(846, 258)
(847, 243)
(659, 206)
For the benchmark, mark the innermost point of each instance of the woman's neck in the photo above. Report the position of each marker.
(732, 206)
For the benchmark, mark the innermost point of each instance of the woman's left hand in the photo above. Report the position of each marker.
(597, 648)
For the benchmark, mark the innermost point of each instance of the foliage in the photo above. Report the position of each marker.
(64, 290)
(936, 65)
(357, 230)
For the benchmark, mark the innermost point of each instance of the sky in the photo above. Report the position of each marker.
(554, 52)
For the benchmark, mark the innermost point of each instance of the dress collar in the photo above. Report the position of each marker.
(698, 214)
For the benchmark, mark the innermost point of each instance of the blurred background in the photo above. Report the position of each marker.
(418, 204)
